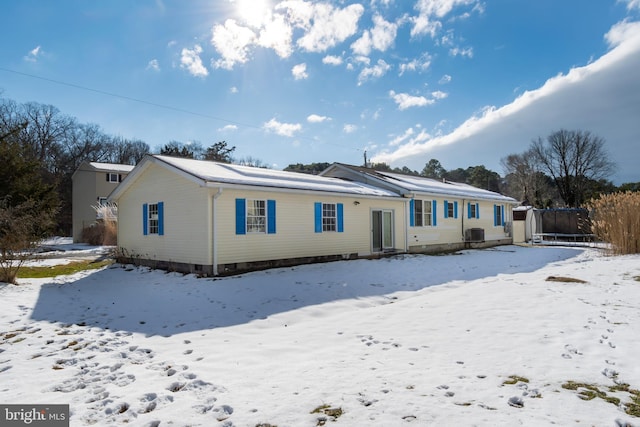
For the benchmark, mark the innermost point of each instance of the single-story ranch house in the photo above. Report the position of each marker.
(216, 218)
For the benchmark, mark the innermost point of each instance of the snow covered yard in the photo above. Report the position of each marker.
(476, 338)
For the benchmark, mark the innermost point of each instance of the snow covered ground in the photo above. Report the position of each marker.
(417, 340)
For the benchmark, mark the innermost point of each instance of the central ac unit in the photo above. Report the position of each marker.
(474, 235)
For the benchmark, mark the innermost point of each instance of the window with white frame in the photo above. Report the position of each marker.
(113, 177)
(256, 216)
(473, 210)
(451, 210)
(417, 213)
(427, 213)
(422, 213)
(152, 218)
(329, 217)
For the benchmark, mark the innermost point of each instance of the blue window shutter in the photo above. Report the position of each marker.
(446, 209)
(502, 219)
(434, 213)
(412, 213)
(271, 216)
(478, 210)
(145, 219)
(161, 218)
(317, 209)
(495, 215)
(340, 213)
(455, 209)
(241, 214)
(469, 210)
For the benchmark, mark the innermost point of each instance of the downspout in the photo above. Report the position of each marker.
(462, 216)
(407, 213)
(214, 233)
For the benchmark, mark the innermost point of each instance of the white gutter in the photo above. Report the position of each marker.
(214, 233)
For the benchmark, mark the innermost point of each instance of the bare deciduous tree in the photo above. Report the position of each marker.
(574, 159)
(525, 181)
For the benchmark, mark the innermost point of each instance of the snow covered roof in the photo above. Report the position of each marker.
(224, 173)
(406, 184)
(432, 186)
(111, 167)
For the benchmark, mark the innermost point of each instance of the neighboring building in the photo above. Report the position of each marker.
(216, 218)
(92, 183)
(443, 215)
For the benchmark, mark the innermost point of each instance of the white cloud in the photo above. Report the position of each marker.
(315, 118)
(232, 42)
(190, 60)
(401, 138)
(283, 129)
(430, 12)
(332, 60)
(233, 89)
(418, 64)
(438, 94)
(277, 35)
(299, 71)
(153, 65)
(380, 37)
(601, 97)
(362, 59)
(324, 25)
(377, 71)
(34, 54)
(362, 46)
(456, 51)
(349, 128)
(445, 79)
(228, 128)
(404, 100)
(621, 32)
(422, 24)
(631, 4)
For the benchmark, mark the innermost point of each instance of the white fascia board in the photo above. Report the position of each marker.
(144, 164)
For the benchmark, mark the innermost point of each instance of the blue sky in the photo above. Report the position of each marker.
(464, 81)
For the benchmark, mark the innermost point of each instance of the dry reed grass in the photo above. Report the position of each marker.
(616, 220)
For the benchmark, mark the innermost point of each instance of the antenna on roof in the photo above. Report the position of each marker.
(365, 159)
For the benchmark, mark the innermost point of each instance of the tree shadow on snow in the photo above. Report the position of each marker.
(153, 302)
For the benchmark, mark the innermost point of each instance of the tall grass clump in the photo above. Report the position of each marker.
(104, 232)
(616, 220)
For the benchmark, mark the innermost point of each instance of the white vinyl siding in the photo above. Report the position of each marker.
(187, 218)
(296, 235)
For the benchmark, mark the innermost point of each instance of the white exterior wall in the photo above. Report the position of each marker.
(451, 230)
(187, 226)
(295, 235)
